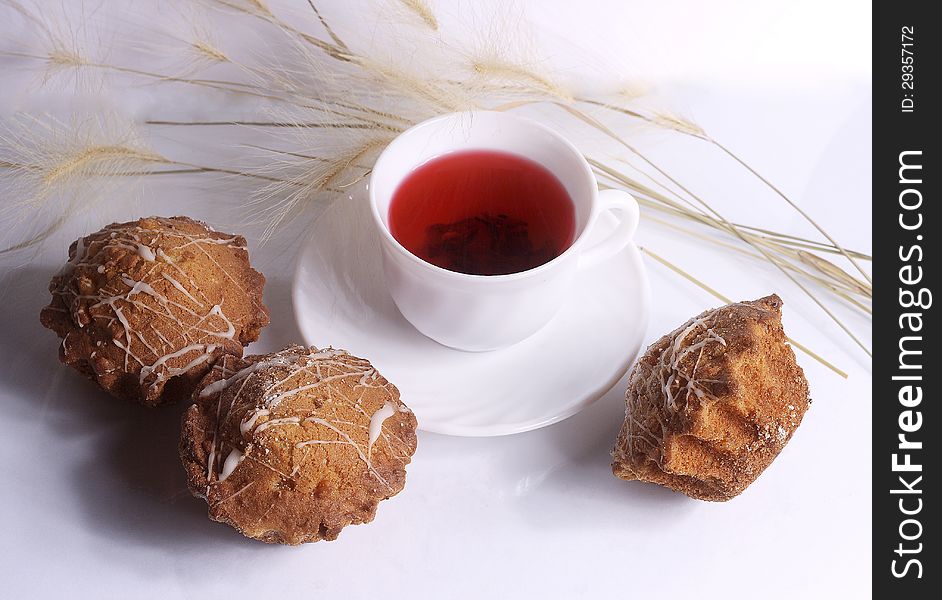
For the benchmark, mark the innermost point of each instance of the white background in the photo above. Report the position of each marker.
(93, 499)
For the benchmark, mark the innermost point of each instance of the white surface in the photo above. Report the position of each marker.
(340, 299)
(92, 495)
(482, 313)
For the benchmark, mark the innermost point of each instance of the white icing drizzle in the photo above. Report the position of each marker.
(179, 286)
(275, 399)
(205, 354)
(212, 457)
(675, 354)
(377, 420)
(232, 461)
(218, 386)
(81, 251)
(277, 422)
(248, 423)
(229, 333)
(146, 253)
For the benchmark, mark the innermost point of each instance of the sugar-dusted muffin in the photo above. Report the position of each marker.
(145, 308)
(291, 447)
(712, 403)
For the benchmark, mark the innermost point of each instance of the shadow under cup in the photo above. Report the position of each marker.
(479, 312)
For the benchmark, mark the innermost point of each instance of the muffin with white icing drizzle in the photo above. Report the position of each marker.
(145, 308)
(293, 446)
(711, 404)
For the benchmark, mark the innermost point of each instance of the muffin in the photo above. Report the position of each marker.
(293, 446)
(712, 403)
(145, 308)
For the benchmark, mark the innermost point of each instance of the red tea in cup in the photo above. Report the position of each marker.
(482, 212)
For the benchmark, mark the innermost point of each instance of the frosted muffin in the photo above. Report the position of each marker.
(145, 308)
(711, 404)
(292, 447)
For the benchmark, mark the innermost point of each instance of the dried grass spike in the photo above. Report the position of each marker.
(423, 11)
(678, 123)
(54, 170)
(519, 75)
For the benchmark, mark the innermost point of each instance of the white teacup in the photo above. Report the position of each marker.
(487, 312)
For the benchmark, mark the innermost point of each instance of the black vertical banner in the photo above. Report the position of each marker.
(906, 369)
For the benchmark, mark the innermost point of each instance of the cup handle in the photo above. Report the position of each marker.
(620, 202)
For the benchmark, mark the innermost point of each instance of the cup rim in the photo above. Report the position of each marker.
(457, 275)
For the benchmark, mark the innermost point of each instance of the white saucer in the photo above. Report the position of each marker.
(340, 300)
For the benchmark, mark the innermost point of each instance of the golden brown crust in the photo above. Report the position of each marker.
(145, 308)
(711, 404)
(293, 446)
